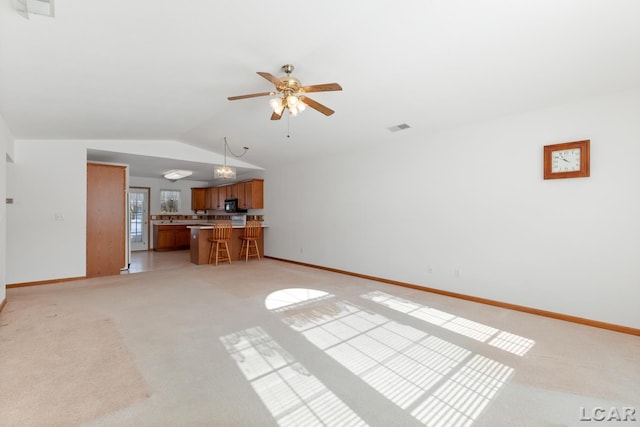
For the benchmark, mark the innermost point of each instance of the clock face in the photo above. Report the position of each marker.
(565, 160)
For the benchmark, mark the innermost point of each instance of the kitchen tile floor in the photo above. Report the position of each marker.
(143, 261)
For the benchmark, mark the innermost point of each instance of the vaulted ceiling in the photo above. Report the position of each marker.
(161, 69)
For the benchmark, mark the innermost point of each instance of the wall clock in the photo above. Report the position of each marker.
(566, 160)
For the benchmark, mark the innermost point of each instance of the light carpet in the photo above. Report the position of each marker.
(268, 343)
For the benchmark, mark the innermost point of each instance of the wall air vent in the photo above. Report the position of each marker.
(397, 128)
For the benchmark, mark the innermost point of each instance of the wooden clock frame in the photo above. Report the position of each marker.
(584, 159)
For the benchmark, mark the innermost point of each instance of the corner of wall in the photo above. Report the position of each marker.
(7, 147)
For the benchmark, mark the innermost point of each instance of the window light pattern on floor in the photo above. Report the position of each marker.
(463, 397)
(292, 395)
(420, 373)
(507, 341)
(292, 296)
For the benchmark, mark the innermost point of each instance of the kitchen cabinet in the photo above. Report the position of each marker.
(222, 195)
(231, 191)
(171, 237)
(251, 194)
(242, 199)
(213, 199)
(198, 199)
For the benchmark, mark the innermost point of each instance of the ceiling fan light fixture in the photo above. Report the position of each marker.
(292, 101)
(291, 95)
(276, 105)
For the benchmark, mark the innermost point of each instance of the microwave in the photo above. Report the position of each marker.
(231, 206)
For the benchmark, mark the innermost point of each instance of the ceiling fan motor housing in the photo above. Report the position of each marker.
(291, 85)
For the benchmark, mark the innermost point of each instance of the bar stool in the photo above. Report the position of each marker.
(250, 237)
(219, 242)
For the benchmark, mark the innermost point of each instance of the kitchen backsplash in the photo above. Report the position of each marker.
(166, 217)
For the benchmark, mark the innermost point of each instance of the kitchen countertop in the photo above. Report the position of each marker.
(189, 223)
(210, 226)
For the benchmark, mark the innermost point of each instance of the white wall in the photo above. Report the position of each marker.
(473, 199)
(47, 180)
(6, 153)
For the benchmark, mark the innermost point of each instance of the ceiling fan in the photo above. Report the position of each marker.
(291, 94)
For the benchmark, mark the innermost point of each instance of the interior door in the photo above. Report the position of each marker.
(139, 218)
(106, 219)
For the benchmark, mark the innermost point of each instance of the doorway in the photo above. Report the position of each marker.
(139, 218)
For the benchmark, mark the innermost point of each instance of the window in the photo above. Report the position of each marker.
(169, 201)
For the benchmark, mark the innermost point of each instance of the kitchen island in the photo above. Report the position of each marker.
(200, 244)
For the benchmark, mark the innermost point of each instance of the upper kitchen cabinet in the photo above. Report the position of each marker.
(251, 194)
(213, 199)
(231, 191)
(199, 199)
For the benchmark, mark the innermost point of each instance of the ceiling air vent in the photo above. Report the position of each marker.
(37, 7)
(397, 128)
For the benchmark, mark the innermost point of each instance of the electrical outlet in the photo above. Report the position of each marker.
(430, 270)
(456, 272)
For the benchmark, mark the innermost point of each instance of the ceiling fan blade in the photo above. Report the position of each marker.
(276, 116)
(327, 87)
(317, 106)
(276, 81)
(251, 95)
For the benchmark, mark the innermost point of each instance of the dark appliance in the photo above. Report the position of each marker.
(231, 206)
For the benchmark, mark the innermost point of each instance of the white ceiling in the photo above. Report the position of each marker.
(161, 69)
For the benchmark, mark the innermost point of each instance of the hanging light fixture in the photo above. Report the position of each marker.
(224, 171)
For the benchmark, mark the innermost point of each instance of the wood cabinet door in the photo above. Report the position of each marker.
(256, 190)
(212, 198)
(222, 195)
(198, 199)
(166, 238)
(106, 220)
(231, 191)
(243, 201)
(182, 237)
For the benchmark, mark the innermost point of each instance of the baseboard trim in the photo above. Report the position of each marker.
(44, 282)
(3, 303)
(530, 310)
